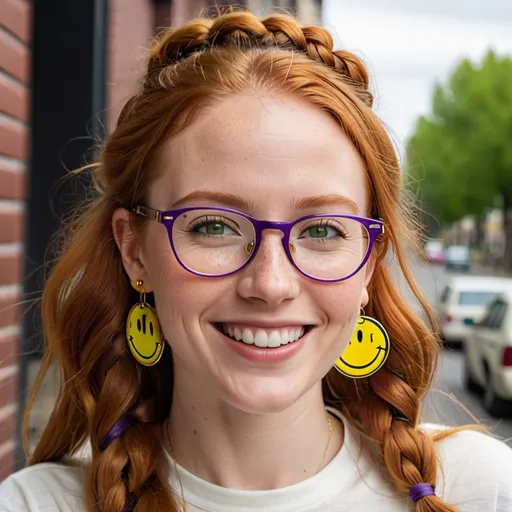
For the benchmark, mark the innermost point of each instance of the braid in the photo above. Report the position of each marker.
(130, 473)
(386, 407)
(245, 30)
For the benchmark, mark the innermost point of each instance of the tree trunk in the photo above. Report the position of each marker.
(479, 239)
(507, 224)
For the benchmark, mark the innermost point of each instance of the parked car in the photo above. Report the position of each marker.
(435, 252)
(458, 258)
(488, 357)
(463, 302)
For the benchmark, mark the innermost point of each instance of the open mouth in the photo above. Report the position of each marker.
(264, 338)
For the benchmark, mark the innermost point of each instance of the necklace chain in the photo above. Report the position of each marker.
(329, 435)
(184, 501)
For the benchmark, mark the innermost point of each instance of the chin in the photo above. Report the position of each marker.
(265, 394)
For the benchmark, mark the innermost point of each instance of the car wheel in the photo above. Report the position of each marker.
(492, 403)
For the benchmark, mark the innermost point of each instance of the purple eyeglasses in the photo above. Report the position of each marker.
(217, 242)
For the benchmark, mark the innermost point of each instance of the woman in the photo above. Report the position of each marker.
(250, 196)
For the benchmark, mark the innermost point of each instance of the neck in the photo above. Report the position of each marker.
(238, 450)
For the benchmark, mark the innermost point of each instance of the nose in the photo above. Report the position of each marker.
(270, 277)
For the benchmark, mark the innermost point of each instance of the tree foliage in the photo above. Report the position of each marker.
(459, 158)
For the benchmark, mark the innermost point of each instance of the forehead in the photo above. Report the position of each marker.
(270, 151)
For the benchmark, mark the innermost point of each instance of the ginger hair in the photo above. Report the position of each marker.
(87, 295)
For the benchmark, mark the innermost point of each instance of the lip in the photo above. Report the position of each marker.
(260, 355)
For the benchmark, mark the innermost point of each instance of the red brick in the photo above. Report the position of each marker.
(10, 268)
(9, 390)
(7, 428)
(13, 139)
(14, 98)
(6, 464)
(10, 310)
(12, 184)
(14, 57)
(9, 350)
(11, 226)
(15, 17)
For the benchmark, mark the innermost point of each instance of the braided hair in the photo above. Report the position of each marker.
(84, 323)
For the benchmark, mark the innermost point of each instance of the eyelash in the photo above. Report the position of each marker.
(199, 223)
(329, 223)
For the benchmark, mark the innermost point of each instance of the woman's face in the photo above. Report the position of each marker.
(270, 153)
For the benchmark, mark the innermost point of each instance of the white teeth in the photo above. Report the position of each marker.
(248, 336)
(261, 338)
(274, 339)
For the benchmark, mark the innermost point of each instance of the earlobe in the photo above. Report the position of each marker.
(365, 298)
(128, 244)
(370, 267)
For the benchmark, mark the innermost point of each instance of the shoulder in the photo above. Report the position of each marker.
(475, 470)
(52, 487)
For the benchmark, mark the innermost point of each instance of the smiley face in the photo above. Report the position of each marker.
(144, 335)
(367, 350)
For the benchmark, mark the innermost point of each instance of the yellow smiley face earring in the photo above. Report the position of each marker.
(367, 350)
(143, 332)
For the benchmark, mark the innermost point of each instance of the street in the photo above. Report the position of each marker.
(440, 407)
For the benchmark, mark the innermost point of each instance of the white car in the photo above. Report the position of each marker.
(463, 302)
(488, 357)
(458, 258)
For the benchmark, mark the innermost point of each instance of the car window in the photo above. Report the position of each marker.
(476, 298)
(485, 322)
(445, 294)
(434, 246)
(499, 314)
(458, 253)
(495, 315)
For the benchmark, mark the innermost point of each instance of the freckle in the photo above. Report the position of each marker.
(304, 471)
(205, 418)
(195, 432)
(193, 408)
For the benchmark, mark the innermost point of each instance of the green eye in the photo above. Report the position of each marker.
(321, 231)
(214, 228)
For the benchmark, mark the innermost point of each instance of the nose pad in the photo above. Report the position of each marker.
(249, 247)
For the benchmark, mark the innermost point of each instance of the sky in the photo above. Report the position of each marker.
(409, 45)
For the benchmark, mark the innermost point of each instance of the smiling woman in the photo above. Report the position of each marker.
(212, 349)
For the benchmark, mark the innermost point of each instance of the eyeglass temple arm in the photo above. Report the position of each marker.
(149, 213)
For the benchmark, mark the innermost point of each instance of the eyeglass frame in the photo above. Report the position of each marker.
(374, 228)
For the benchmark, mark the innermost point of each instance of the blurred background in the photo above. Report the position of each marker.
(442, 77)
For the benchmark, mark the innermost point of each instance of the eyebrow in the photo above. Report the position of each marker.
(239, 203)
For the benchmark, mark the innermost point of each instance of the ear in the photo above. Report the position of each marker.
(129, 244)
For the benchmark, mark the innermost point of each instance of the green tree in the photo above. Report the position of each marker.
(460, 155)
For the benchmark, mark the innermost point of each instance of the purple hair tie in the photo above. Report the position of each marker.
(420, 491)
(117, 430)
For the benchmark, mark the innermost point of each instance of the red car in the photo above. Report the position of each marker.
(436, 252)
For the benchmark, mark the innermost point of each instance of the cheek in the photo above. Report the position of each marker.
(180, 296)
(342, 302)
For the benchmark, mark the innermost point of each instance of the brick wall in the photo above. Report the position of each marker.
(130, 31)
(15, 32)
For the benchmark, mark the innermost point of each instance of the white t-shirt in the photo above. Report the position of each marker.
(475, 474)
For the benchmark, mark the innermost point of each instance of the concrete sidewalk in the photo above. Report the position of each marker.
(44, 402)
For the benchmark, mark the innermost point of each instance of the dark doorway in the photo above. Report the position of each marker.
(68, 115)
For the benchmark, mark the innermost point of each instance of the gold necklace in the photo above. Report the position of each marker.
(168, 439)
(329, 435)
